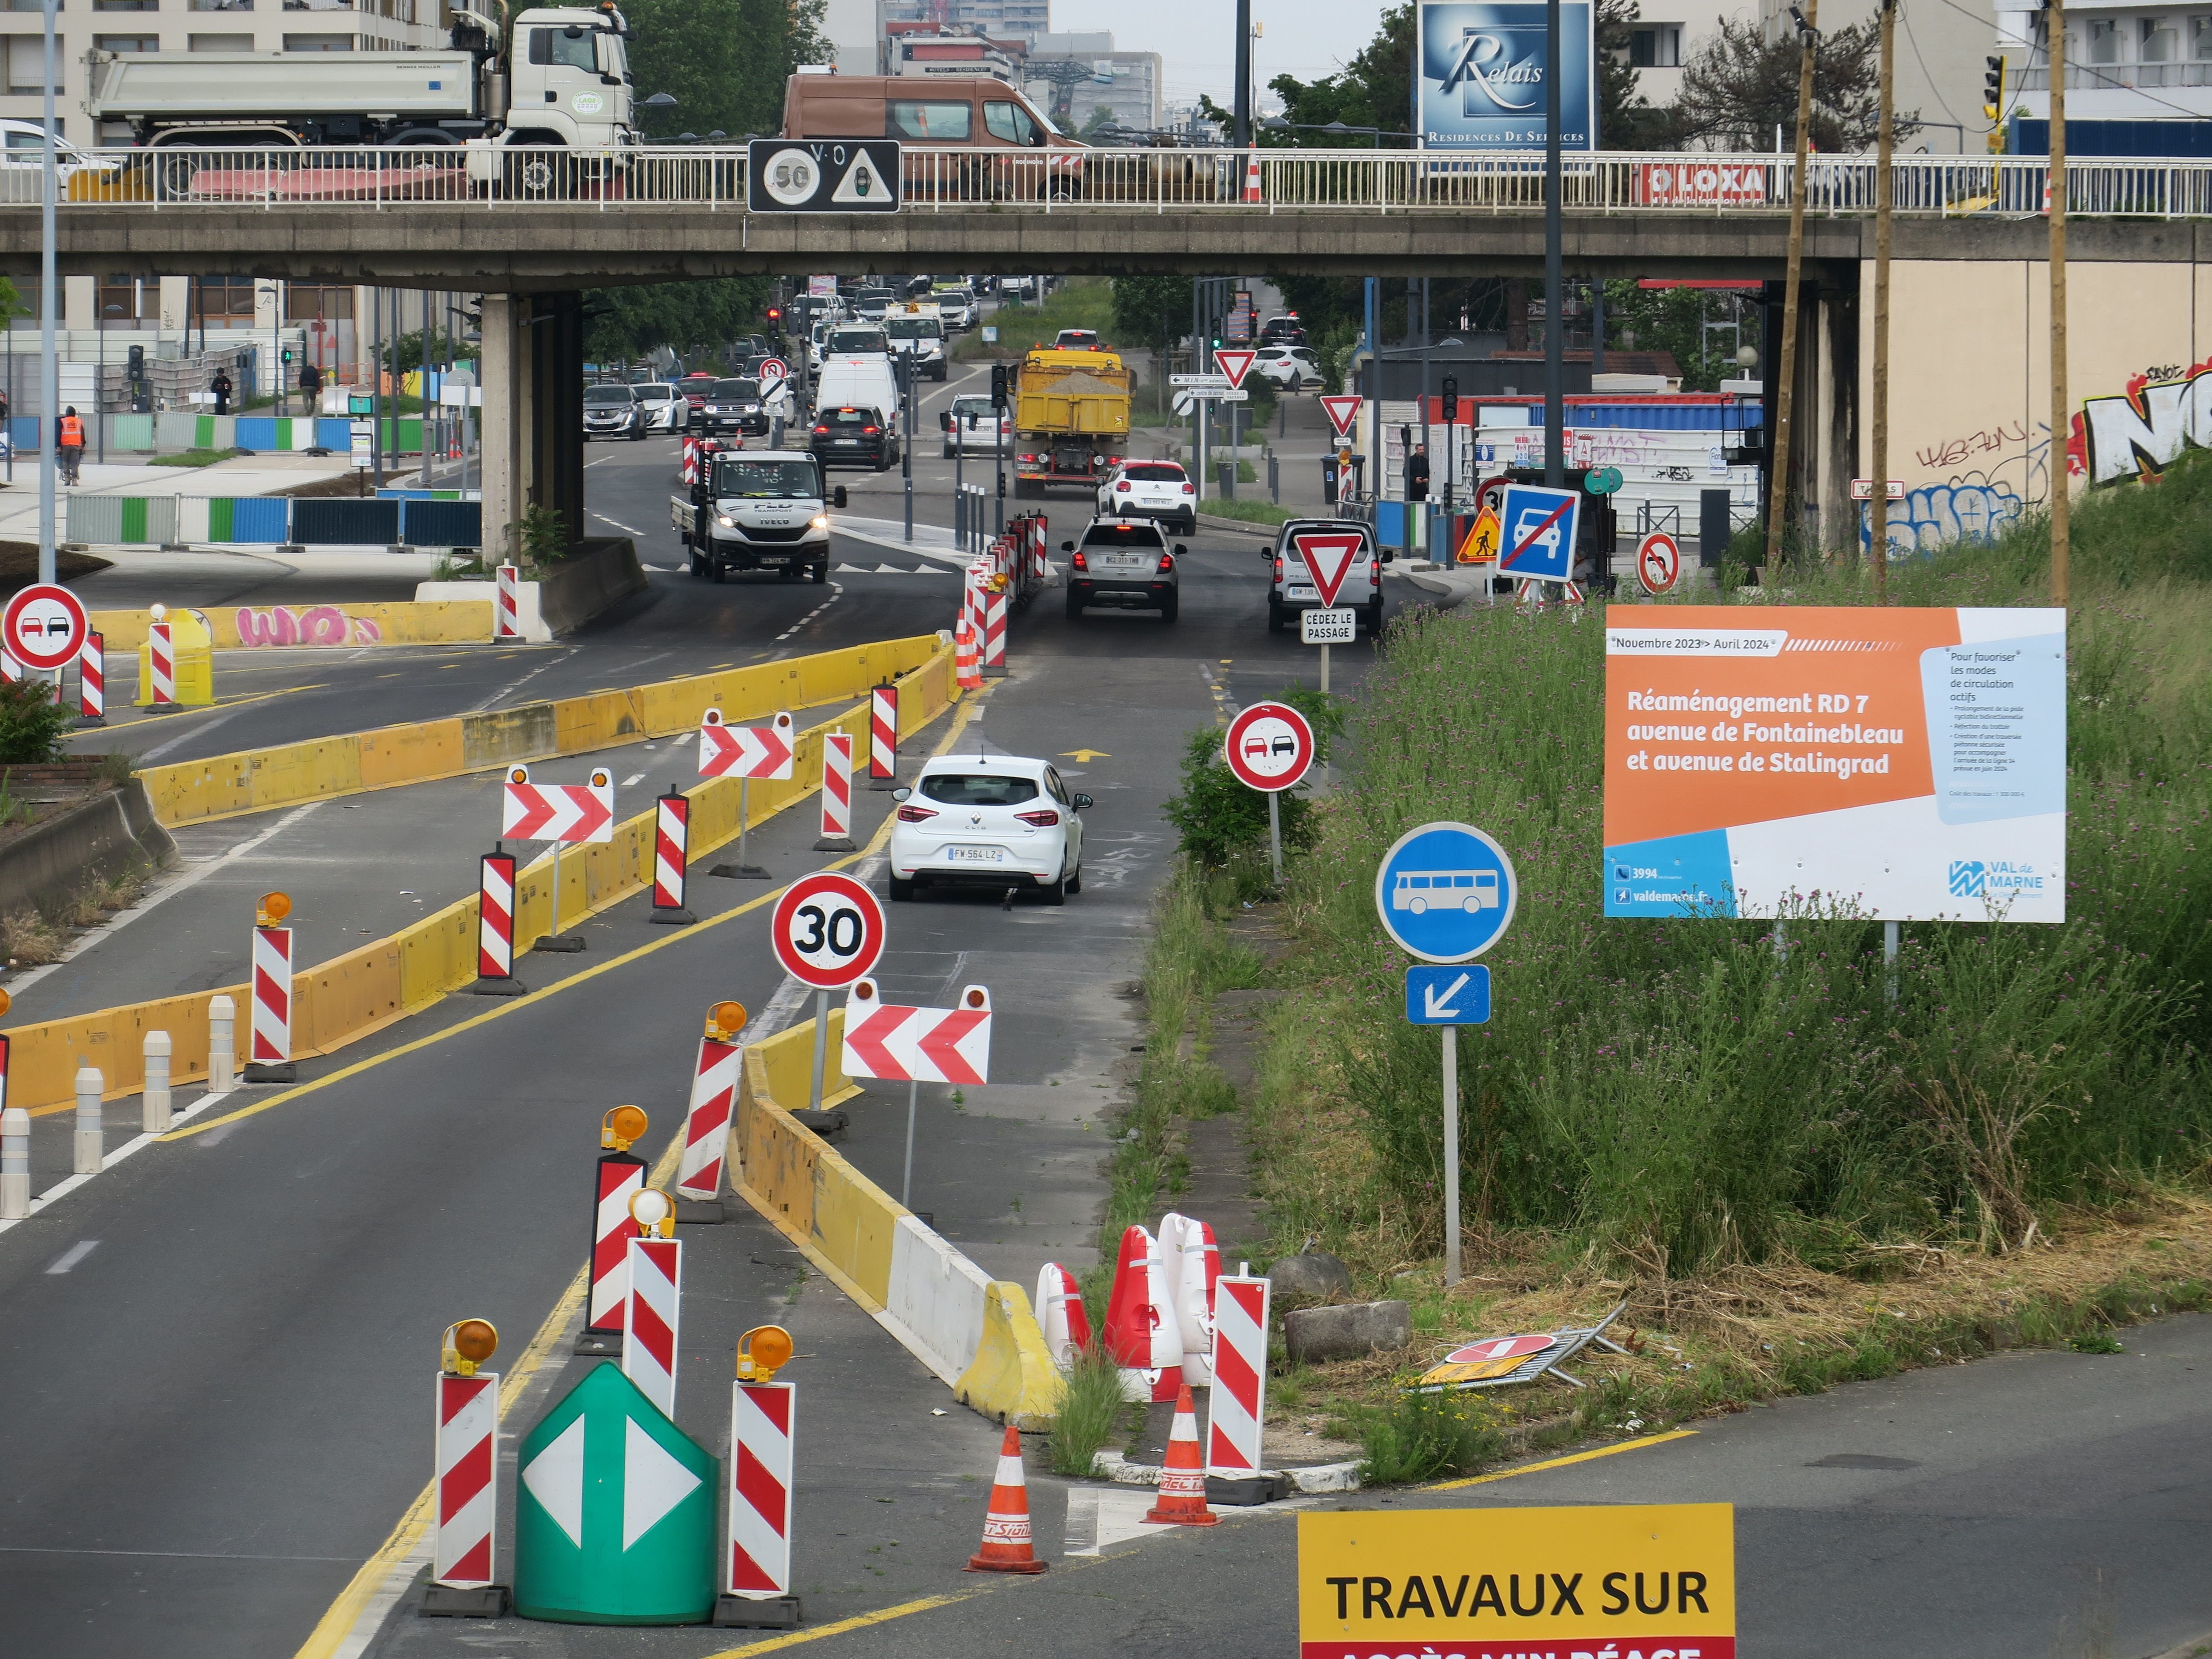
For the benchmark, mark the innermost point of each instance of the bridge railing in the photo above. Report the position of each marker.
(1260, 181)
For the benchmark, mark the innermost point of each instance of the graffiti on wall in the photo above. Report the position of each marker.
(2163, 411)
(1972, 507)
(301, 625)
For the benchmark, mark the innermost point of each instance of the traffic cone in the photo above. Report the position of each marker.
(967, 658)
(1182, 1483)
(1252, 176)
(1007, 1527)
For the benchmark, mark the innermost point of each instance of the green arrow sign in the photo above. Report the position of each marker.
(615, 1511)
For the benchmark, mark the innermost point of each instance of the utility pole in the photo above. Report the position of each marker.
(1555, 387)
(2061, 423)
(1777, 490)
(1243, 106)
(1878, 510)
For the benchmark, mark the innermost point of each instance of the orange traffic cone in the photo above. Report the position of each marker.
(1252, 176)
(1006, 1526)
(1183, 1484)
(967, 658)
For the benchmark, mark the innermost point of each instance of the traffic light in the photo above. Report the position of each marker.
(288, 353)
(1000, 388)
(775, 319)
(1450, 400)
(1993, 88)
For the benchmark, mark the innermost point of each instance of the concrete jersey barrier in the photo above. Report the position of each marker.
(978, 1335)
(437, 622)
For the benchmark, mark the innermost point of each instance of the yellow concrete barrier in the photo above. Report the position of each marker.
(351, 996)
(276, 627)
(978, 1335)
(223, 786)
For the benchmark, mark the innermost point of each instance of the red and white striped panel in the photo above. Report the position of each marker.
(967, 664)
(650, 1315)
(495, 916)
(971, 598)
(994, 630)
(883, 732)
(619, 1177)
(161, 663)
(671, 848)
(707, 1126)
(92, 678)
(507, 622)
(837, 785)
(10, 668)
(272, 996)
(690, 460)
(465, 1549)
(758, 1564)
(1237, 1402)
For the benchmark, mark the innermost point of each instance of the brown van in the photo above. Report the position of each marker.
(1016, 150)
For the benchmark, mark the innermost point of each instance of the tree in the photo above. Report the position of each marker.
(633, 321)
(725, 61)
(1625, 119)
(1740, 88)
(1375, 89)
(1152, 311)
(1100, 116)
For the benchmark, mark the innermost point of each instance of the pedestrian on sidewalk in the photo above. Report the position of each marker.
(1417, 474)
(219, 388)
(69, 447)
(311, 385)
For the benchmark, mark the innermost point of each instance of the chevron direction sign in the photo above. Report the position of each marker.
(558, 811)
(917, 1045)
(746, 751)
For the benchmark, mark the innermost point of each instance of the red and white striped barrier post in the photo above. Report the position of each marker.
(269, 1053)
(882, 737)
(994, 627)
(162, 666)
(706, 1122)
(92, 682)
(557, 812)
(967, 666)
(672, 858)
(496, 927)
(465, 1546)
(652, 1310)
(506, 618)
(756, 1576)
(1237, 1403)
(836, 793)
(971, 598)
(618, 1177)
(690, 461)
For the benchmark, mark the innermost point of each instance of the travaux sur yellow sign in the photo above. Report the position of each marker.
(1602, 1581)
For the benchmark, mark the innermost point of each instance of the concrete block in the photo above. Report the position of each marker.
(1350, 1330)
(1301, 1279)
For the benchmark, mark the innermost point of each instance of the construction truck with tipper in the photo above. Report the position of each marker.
(551, 77)
(1070, 418)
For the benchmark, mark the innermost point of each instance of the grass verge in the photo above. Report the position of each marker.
(195, 458)
(1246, 512)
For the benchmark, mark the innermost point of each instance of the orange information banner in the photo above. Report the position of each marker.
(1657, 1580)
(1907, 763)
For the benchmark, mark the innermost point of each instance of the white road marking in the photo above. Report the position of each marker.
(837, 593)
(71, 1256)
(514, 685)
(632, 779)
(617, 523)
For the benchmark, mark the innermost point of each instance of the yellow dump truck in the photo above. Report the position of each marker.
(1070, 418)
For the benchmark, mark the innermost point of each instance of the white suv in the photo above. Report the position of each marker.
(1290, 366)
(993, 821)
(1150, 489)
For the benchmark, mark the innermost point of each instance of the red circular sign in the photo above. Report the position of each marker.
(44, 626)
(1658, 562)
(773, 369)
(1269, 746)
(1498, 1348)
(828, 930)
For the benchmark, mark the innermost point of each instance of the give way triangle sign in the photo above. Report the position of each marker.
(615, 1513)
(1235, 365)
(1328, 555)
(1342, 411)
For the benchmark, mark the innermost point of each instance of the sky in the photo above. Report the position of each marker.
(1305, 38)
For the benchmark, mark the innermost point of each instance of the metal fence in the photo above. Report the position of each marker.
(1260, 181)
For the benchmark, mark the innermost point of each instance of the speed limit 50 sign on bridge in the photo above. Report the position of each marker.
(828, 930)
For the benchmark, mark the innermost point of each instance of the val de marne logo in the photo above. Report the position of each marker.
(1969, 878)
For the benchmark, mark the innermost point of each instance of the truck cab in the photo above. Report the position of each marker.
(757, 510)
(568, 75)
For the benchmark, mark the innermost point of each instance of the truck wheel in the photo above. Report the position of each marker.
(698, 568)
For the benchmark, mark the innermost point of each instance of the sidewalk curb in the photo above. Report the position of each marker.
(1315, 1478)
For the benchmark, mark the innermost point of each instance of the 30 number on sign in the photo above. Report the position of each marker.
(828, 930)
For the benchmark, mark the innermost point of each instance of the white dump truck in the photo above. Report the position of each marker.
(559, 78)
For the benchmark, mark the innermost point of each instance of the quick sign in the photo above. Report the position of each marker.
(828, 175)
(1907, 762)
(1483, 73)
(1489, 1583)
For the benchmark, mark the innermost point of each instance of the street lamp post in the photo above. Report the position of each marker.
(100, 391)
(50, 394)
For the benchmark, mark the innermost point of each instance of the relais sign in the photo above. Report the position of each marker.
(1606, 1582)
(1905, 764)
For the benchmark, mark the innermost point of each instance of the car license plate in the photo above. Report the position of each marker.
(1122, 561)
(975, 854)
(849, 443)
(1296, 592)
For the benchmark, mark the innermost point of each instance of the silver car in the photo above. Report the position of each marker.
(1290, 586)
(1123, 563)
(612, 411)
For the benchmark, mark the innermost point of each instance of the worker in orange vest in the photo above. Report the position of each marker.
(70, 445)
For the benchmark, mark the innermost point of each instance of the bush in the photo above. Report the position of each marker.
(1422, 1436)
(32, 724)
(1219, 819)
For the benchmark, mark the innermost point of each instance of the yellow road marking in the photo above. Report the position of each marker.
(858, 1621)
(220, 702)
(1084, 757)
(1560, 1462)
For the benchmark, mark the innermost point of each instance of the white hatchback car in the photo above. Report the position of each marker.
(1150, 489)
(997, 822)
(1290, 366)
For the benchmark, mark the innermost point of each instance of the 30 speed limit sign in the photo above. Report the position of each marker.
(828, 930)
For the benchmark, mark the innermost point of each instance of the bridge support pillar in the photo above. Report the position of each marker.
(556, 407)
(533, 413)
(504, 365)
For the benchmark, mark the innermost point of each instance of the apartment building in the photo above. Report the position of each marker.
(2136, 62)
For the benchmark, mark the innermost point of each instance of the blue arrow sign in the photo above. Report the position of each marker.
(1450, 995)
(1445, 892)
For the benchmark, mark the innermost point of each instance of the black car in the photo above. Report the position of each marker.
(734, 406)
(848, 436)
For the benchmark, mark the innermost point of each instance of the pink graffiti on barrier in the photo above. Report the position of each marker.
(320, 624)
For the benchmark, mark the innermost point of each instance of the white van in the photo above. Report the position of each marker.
(866, 382)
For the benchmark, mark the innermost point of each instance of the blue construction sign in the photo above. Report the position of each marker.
(1445, 892)
(1536, 532)
(1452, 994)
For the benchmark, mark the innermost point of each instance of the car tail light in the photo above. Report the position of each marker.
(910, 813)
(1081, 563)
(1278, 570)
(1167, 563)
(1043, 820)
(1189, 488)
(821, 428)
(869, 431)
(1122, 487)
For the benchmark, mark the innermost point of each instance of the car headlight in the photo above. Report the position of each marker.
(821, 521)
(726, 521)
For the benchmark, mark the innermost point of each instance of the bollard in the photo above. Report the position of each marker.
(158, 1105)
(222, 1056)
(836, 793)
(91, 1142)
(15, 1164)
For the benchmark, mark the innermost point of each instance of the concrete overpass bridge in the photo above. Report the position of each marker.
(530, 229)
